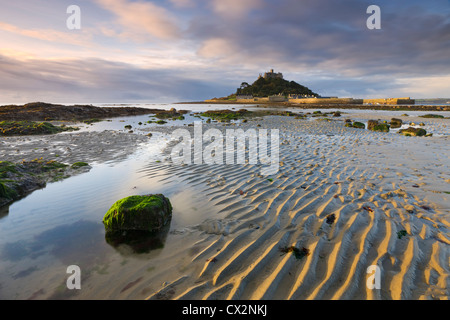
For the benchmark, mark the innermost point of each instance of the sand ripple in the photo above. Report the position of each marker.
(326, 169)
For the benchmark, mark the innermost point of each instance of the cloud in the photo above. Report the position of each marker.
(332, 36)
(96, 80)
(183, 3)
(83, 39)
(235, 8)
(217, 48)
(195, 49)
(142, 20)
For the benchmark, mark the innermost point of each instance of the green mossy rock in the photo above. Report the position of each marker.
(382, 127)
(358, 125)
(14, 128)
(411, 131)
(78, 165)
(7, 193)
(371, 124)
(396, 123)
(432, 116)
(139, 213)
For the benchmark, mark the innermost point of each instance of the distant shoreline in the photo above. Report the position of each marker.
(40, 111)
(328, 106)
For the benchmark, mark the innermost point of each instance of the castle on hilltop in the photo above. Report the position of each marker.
(272, 87)
(271, 75)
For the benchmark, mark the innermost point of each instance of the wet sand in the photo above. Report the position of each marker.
(375, 184)
(90, 147)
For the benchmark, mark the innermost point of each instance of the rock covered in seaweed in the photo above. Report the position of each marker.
(374, 125)
(396, 123)
(356, 124)
(143, 213)
(382, 127)
(139, 222)
(19, 179)
(371, 124)
(411, 131)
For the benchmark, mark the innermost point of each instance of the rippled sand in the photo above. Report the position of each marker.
(375, 184)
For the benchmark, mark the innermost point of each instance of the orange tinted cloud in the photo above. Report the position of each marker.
(141, 20)
(51, 35)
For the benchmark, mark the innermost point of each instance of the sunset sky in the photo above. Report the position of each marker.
(182, 50)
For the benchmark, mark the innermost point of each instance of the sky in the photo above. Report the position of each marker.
(163, 51)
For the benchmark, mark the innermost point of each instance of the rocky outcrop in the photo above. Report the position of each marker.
(395, 123)
(374, 125)
(40, 111)
(19, 180)
(140, 222)
(356, 124)
(411, 131)
(371, 124)
(143, 213)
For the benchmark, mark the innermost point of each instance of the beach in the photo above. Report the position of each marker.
(347, 198)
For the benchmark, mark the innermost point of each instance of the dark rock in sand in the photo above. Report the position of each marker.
(141, 222)
(396, 123)
(358, 125)
(411, 131)
(145, 213)
(19, 180)
(371, 124)
(374, 125)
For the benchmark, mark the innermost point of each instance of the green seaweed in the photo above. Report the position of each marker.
(91, 121)
(402, 233)
(52, 165)
(356, 124)
(226, 115)
(78, 165)
(122, 212)
(431, 116)
(11, 128)
(298, 253)
(7, 192)
(382, 127)
(5, 167)
(411, 131)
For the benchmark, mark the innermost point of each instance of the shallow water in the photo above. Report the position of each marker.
(60, 225)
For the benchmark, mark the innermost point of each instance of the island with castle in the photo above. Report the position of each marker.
(272, 88)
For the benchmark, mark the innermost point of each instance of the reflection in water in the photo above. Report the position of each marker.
(137, 241)
(4, 211)
(77, 243)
